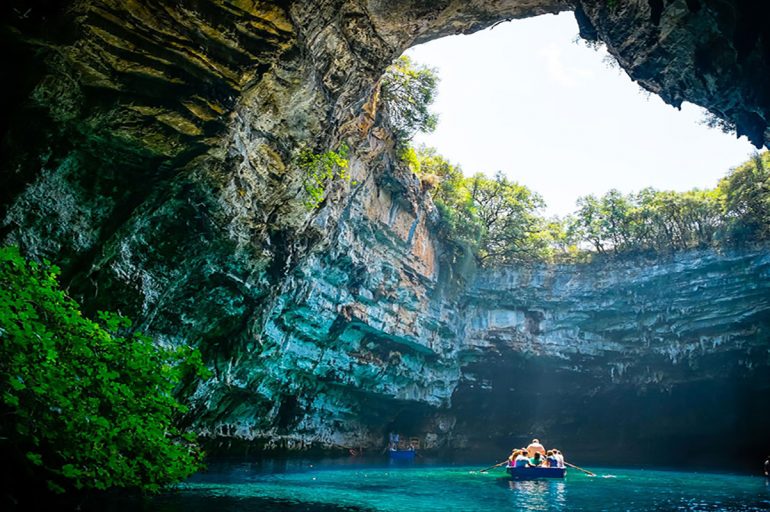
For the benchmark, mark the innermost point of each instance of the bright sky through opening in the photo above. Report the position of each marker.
(525, 99)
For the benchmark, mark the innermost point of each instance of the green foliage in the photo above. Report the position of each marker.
(319, 169)
(507, 213)
(746, 196)
(445, 180)
(495, 219)
(458, 223)
(407, 91)
(557, 241)
(650, 220)
(498, 221)
(736, 212)
(92, 406)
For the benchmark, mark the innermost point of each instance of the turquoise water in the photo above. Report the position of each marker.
(428, 487)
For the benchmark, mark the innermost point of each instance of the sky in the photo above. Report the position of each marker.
(525, 98)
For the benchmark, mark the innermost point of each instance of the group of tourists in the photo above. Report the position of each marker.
(396, 442)
(534, 456)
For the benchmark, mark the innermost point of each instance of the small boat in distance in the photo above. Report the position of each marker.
(401, 449)
(402, 454)
(532, 473)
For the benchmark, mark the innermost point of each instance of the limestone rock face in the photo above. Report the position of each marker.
(652, 350)
(150, 148)
(709, 52)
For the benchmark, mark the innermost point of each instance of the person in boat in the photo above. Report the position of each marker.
(551, 460)
(521, 460)
(767, 466)
(512, 458)
(536, 460)
(535, 447)
(559, 458)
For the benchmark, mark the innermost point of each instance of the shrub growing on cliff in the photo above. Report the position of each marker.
(407, 91)
(84, 404)
(320, 169)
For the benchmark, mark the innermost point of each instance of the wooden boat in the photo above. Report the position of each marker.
(535, 472)
(402, 454)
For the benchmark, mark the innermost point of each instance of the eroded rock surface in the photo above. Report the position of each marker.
(150, 149)
(667, 352)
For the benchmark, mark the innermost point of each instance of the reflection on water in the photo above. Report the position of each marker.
(538, 494)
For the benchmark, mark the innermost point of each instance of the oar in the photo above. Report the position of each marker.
(580, 469)
(492, 467)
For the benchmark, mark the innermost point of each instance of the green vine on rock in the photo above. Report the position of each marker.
(320, 169)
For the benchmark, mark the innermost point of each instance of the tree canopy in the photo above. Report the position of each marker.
(736, 212)
(407, 90)
(495, 219)
(745, 193)
(498, 220)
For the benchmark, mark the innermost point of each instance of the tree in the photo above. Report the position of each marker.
(650, 220)
(86, 405)
(557, 240)
(746, 192)
(588, 222)
(407, 91)
(508, 216)
(498, 220)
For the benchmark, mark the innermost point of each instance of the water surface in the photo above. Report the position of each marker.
(357, 485)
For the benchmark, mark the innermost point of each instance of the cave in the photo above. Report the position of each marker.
(148, 149)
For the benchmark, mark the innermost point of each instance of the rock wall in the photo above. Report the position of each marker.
(662, 353)
(150, 148)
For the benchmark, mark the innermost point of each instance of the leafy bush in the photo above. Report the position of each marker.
(320, 169)
(87, 405)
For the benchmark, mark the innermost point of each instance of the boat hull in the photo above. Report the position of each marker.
(402, 454)
(534, 473)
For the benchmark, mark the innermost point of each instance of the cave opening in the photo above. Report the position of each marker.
(558, 114)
